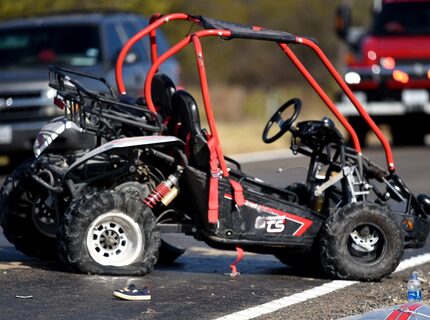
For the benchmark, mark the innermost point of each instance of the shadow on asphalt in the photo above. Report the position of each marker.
(251, 265)
(11, 258)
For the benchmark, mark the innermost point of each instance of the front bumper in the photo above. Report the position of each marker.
(383, 108)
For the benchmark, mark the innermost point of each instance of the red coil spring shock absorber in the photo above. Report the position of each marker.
(159, 193)
(162, 190)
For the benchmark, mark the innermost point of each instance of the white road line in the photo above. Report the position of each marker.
(324, 289)
(413, 262)
(275, 305)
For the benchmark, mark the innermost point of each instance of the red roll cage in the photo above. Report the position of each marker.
(227, 30)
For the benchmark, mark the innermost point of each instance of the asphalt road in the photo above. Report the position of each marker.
(193, 288)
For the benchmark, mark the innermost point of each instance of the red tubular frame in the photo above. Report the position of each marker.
(203, 82)
(205, 91)
(150, 29)
(158, 20)
(353, 99)
(153, 38)
(322, 94)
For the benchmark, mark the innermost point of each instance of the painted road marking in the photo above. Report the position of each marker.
(324, 289)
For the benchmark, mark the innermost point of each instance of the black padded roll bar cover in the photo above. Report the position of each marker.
(246, 31)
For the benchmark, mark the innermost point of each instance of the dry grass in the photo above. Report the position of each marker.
(242, 114)
(246, 137)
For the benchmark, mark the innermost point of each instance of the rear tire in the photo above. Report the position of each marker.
(27, 211)
(361, 242)
(109, 232)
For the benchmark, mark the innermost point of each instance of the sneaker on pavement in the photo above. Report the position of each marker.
(132, 293)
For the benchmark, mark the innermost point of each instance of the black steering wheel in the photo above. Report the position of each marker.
(284, 125)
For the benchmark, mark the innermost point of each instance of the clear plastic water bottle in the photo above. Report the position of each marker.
(414, 288)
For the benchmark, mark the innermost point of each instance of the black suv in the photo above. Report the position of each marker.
(88, 42)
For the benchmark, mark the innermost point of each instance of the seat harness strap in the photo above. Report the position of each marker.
(213, 205)
(238, 192)
(216, 173)
(240, 254)
(213, 183)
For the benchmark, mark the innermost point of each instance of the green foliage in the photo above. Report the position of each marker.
(249, 63)
(10, 9)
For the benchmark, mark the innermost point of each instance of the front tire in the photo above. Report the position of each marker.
(361, 242)
(109, 232)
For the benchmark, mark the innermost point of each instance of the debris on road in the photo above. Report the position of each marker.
(24, 297)
(133, 293)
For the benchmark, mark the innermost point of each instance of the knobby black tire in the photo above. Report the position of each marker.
(82, 212)
(336, 258)
(168, 253)
(17, 198)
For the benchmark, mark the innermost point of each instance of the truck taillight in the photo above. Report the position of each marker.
(388, 63)
(350, 59)
(371, 55)
(400, 76)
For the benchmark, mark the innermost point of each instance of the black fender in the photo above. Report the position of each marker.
(51, 131)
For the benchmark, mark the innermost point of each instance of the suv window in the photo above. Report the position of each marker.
(162, 44)
(139, 46)
(36, 47)
(114, 41)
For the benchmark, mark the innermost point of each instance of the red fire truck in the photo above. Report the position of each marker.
(388, 68)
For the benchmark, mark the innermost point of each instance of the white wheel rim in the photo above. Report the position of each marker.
(114, 239)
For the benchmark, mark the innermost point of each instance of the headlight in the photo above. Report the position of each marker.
(352, 78)
(51, 93)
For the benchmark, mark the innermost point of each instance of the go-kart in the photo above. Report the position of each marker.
(155, 170)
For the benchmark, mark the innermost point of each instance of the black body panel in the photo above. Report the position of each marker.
(269, 217)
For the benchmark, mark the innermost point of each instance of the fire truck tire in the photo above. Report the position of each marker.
(408, 132)
(361, 129)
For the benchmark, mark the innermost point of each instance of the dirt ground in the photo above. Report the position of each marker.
(356, 299)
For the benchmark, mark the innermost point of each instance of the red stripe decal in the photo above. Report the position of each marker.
(409, 311)
(396, 312)
(404, 312)
(257, 28)
(304, 223)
